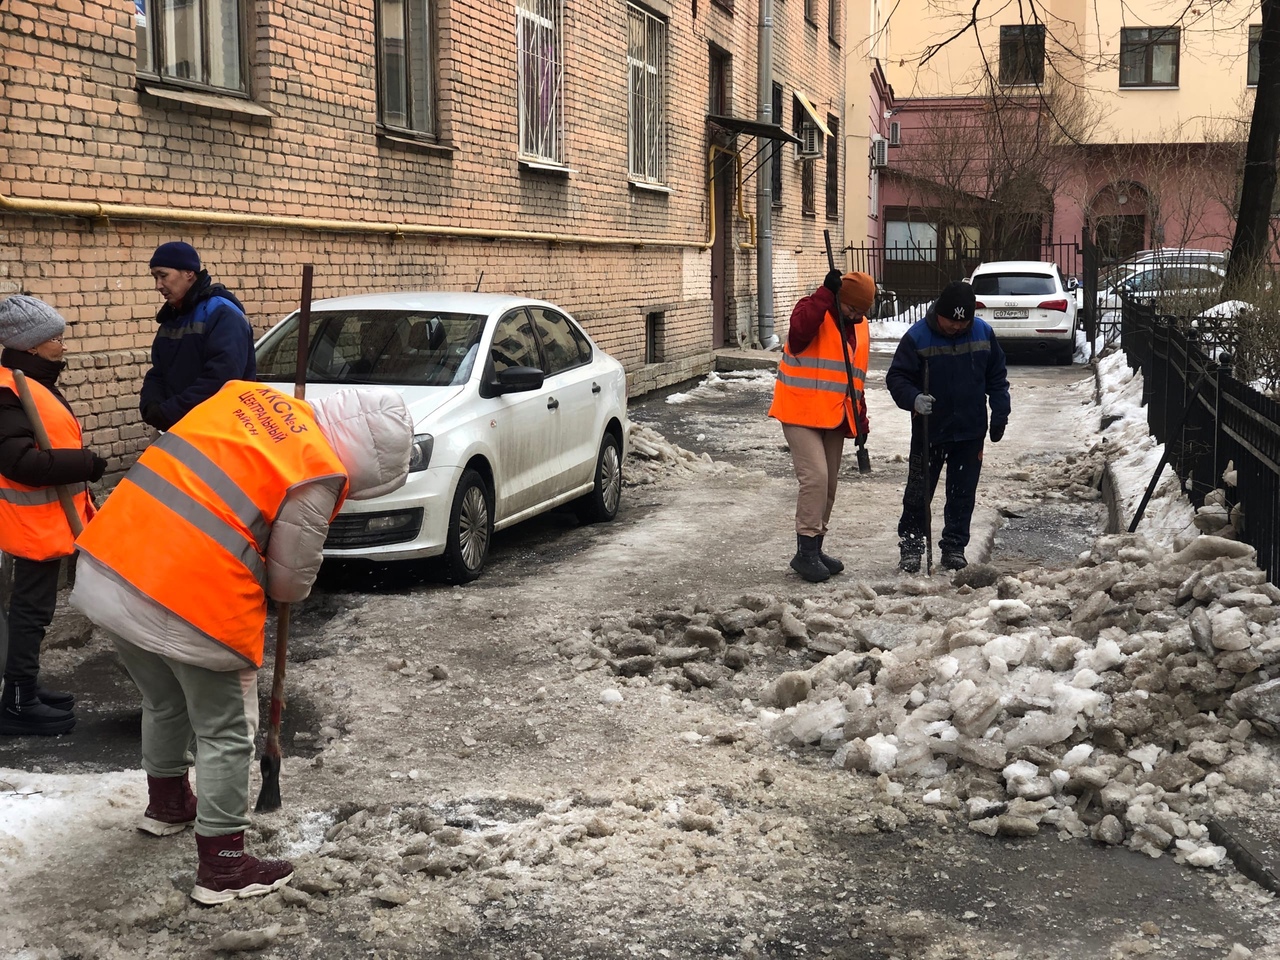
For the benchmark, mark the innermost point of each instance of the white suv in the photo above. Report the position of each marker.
(1029, 305)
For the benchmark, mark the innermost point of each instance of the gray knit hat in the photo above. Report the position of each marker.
(27, 322)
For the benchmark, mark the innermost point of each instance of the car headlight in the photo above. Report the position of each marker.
(420, 452)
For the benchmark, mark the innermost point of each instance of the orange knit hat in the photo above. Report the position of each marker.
(857, 291)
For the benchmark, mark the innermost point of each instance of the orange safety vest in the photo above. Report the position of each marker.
(812, 389)
(32, 524)
(188, 525)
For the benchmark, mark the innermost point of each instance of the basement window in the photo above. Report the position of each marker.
(654, 335)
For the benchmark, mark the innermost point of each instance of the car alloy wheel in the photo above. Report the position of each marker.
(601, 504)
(470, 529)
(473, 532)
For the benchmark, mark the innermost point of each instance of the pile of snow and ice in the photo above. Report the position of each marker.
(1117, 699)
(652, 457)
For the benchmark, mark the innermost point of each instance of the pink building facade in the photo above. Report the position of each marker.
(957, 176)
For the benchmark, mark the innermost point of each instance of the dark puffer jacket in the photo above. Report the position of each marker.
(200, 345)
(964, 372)
(20, 459)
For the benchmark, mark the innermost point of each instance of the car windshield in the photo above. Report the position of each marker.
(411, 347)
(1013, 285)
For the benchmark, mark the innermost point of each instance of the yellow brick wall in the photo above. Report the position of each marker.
(74, 126)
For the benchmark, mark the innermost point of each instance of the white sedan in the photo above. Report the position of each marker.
(516, 411)
(1028, 304)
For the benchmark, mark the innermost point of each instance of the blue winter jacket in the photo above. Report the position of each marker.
(198, 348)
(964, 371)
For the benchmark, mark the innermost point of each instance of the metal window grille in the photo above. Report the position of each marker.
(192, 42)
(540, 49)
(406, 89)
(799, 117)
(646, 73)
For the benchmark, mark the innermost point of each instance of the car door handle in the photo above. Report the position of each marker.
(553, 403)
(595, 388)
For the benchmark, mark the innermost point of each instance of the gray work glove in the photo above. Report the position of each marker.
(923, 404)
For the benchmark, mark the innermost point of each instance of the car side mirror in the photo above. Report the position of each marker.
(519, 380)
(1073, 283)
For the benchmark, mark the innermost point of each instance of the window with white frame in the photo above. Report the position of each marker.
(192, 42)
(405, 61)
(646, 82)
(540, 59)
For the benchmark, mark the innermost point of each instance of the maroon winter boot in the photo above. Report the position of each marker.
(227, 872)
(171, 806)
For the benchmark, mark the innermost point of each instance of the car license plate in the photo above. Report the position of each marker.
(1009, 314)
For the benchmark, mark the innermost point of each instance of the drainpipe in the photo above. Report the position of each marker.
(764, 207)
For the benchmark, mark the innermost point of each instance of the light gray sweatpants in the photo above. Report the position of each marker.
(214, 713)
(816, 457)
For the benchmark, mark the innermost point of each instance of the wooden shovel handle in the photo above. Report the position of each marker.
(28, 402)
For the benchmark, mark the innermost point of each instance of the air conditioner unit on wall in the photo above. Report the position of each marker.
(895, 134)
(810, 147)
(879, 153)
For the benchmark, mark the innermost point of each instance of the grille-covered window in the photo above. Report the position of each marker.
(540, 62)
(646, 87)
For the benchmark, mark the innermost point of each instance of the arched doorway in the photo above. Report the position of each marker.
(1118, 216)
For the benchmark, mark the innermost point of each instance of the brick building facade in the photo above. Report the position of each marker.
(559, 148)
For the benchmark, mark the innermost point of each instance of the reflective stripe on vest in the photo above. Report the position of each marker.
(189, 524)
(812, 388)
(32, 524)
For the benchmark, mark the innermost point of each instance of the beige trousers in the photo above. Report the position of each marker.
(816, 457)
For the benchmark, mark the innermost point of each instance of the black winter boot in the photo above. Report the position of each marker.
(22, 714)
(831, 563)
(57, 699)
(808, 561)
(954, 559)
(909, 560)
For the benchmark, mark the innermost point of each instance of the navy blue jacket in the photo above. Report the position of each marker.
(964, 371)
(200, 345)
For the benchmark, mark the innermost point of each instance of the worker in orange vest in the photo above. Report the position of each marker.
(229, 507)
(34, 530)
(818, 398)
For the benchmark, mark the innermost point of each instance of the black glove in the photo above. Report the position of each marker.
(833, 281)
(98, 469)
(997, 429)
(151, 415)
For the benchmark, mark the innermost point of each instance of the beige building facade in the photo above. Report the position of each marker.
(1154, 98)
(554, 148)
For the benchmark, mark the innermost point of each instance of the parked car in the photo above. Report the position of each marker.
(885, 306)
(1160, 281)
(1171, 256)
(1029, 305)
(516, 411)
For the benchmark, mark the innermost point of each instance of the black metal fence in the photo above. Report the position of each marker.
(917, 274)
(1208, 419)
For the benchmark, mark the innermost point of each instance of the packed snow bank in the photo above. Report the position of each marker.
(1132, 455)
